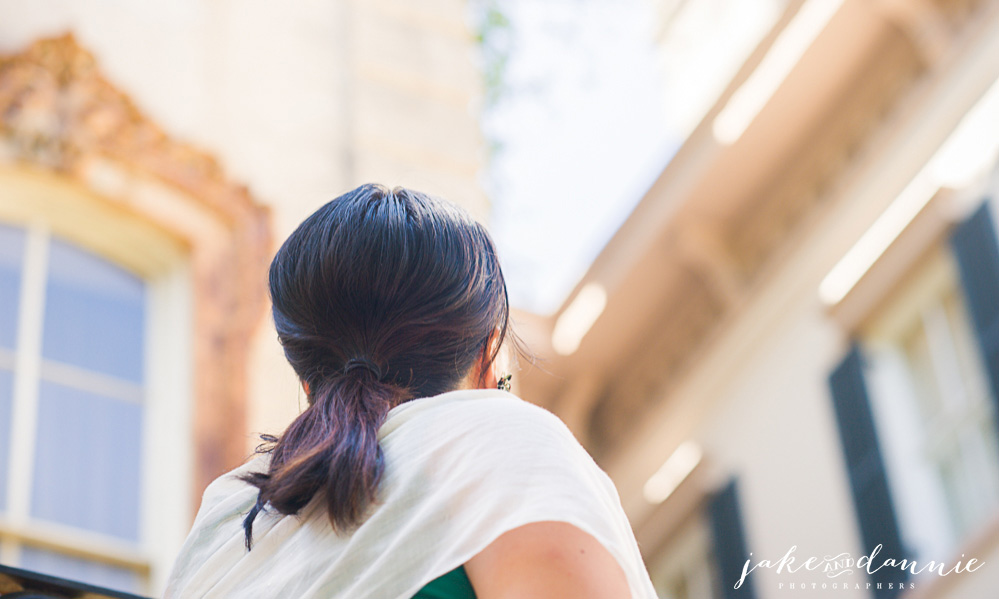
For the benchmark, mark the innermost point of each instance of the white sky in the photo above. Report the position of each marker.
(583, 136)
(587, 126)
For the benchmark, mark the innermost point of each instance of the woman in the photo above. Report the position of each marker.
(410, 473)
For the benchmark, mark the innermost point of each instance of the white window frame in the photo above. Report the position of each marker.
(166, 483)
(924, 511)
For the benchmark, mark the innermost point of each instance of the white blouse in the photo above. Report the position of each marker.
(461, 469)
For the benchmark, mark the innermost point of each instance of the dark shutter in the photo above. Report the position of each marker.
(977, 252)
(868, 481)
(729, 543)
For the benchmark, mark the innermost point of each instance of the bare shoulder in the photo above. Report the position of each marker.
(546, 559)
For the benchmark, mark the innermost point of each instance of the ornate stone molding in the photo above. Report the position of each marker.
(58, 109)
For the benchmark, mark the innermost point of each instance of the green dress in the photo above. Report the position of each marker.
(453, 585)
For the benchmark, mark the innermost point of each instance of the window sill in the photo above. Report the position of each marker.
(80, 543)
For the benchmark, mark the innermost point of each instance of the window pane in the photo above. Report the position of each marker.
(11, 260)
(6, 393)
(79, 569)
(87, 461)
(937, 416)
(94, 313)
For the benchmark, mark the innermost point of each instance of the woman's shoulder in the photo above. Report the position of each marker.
(489, 434)
(503, 406)
(485, 412)
(474, 402)
(229, 494)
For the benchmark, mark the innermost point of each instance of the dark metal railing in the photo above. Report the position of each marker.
(25, 584)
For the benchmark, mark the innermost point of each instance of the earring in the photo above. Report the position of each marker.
(503, 384)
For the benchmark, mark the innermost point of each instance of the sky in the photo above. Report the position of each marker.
(581, 135)
(597, 97)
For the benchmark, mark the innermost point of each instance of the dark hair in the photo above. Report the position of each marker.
(379, 297)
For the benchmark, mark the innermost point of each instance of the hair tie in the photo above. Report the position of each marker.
(364, 363)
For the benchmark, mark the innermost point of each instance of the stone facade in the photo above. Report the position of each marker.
(715, 334)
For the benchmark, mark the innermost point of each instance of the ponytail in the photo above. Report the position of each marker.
(407, 281)
(331, 448)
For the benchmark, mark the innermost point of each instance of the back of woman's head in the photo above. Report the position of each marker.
(379, 297)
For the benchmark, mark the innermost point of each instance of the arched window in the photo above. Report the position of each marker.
(131, 274)
(73, 406)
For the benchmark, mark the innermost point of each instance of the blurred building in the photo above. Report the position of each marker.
(151, 158)
(793, 342)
